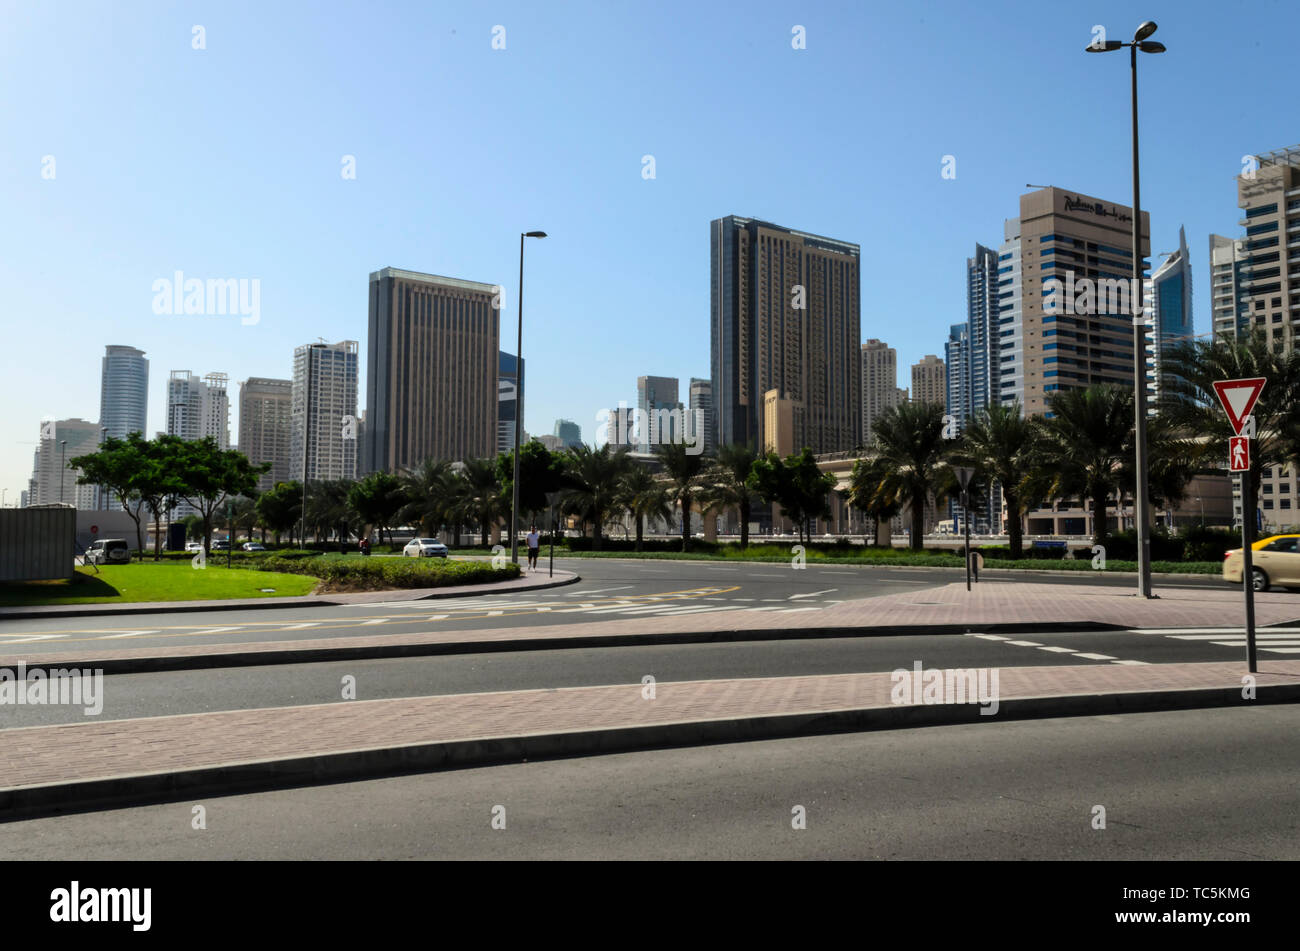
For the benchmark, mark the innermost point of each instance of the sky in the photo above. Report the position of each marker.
(128, 154)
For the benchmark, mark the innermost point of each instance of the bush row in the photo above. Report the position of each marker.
(364, 574)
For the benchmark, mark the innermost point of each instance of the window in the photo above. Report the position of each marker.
(1261, 210)
(1282, 544)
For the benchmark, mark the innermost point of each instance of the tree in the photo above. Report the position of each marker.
(908, 439)
(209, 474)
(592, 484)
(116, 465)
(540, 472)
(481, 498)
(1088, 446)
(868, 491)
(244, 515)
(430, 493)
(280, 507)
(683, 469)
(644, 497)
(726, 484)
(376, 500)
(1004, 446)
(328, 511)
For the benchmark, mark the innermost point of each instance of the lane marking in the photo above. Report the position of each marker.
(1059, 650)
(810, 594)
(1094, 656)
(1025, 643)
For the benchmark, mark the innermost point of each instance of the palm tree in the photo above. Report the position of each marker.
(868, 491)
(644, 497)
(480, 497)
(908, 441)
(430, 489)
(1003, 446)
(683, 469)
(725, 485)
(593, 479)
(1087, 446)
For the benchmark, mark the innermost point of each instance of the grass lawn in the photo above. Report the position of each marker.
(163, 581)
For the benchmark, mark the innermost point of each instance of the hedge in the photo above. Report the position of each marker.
(364, 574)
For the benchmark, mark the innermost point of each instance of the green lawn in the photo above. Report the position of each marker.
(162, 581)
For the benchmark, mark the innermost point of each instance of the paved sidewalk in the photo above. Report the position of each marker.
(525, 582)
(80, 765)
(934, 610)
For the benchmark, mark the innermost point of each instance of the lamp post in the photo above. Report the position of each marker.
(1202, 501)
(1142, 503)
(552, 500)
(519, 401)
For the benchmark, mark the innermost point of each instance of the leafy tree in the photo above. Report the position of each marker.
(244, 515)
(644, 497)
(377, 499)
(481, 499)
(684, 470)
(592, 484)
(726, 484)
(869, 492)
(540, 472)
(116, 465)
(430, 491)
(328, 511)
(280, 507)
(208, 475)
(908, 439)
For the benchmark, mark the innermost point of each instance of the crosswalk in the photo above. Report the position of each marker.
(1273, 641)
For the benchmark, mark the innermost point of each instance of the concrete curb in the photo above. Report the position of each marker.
(317, 655)
(306, 601)
(377, 762)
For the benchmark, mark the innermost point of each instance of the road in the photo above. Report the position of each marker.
(611, 589)
(1203, 784)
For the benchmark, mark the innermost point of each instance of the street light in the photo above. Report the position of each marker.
(1141, 501)
(519, 402)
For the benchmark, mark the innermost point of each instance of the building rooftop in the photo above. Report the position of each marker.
(420, 277)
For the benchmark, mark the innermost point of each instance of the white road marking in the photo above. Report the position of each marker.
(436, 617)
(1259, 636)
(810, 594)
(617, 587)
(989, 637)
(128, 634)
(1058, 650)
(1025, 643)
(299, 627)
(797, 610)
(218, 630)
(1094, 656)
(1131, 663)
(378, 620)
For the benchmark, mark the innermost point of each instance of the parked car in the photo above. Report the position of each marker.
(424, 548)
(254, 546)
(1274, 561)
(106, 551)
(221, 544)
(194, 546)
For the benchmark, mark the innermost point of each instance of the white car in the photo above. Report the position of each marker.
(424, 548)
(253, 546)
(194, 546)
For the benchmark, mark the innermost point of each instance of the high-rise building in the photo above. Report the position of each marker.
(185, 416)
(123, 401)
(1256, 288)
(59, 445)
(216, 408)
(324, 407)
(702, 413)
(1169, 317)
(659, 409)
(431, 370)
(552, 443)
(266, 427)
(509, 400)
(568, 432)
(1085, 244)
(970, 353)
(929, 382)
(123, 392)
(785, 316)
(879, 378)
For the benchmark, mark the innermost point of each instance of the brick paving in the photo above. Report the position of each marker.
(40, 756)
(987, 604)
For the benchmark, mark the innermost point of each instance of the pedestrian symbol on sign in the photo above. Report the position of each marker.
(1239, 453)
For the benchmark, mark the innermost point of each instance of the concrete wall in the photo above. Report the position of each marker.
(36, 544)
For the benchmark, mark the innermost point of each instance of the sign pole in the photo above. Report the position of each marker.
(965, 517)
(1247, 565)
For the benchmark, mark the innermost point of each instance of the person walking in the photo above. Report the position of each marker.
(534, 544)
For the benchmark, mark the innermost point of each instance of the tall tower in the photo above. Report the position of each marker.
(324, 412)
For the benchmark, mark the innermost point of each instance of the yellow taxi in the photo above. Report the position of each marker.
(1274, 561)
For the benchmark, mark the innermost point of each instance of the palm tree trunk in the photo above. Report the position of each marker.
(686, 521)
(744, 523)
(916, 542)
(1099, 518)
(1015, 530)
(597, 520)
(638, 531)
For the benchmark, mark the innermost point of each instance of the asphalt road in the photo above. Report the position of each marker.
(611, 589)
(1199, 784)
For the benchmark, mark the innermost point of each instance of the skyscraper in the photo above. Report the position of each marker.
(510, 404)
(1085, 244)
(215, 408)
(432, 365)
(1228, 313)
(879, 377)
(265, 426)
(702, 413)
(929, 382)
(568, 432)
(324, 407)
(784, 314)
(59, 445)
(970, 353)
(659, 409)
(185, 417)
(123, 400)
(1168, 315)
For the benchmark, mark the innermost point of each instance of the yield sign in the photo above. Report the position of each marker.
(964, 474)
(1238, 398)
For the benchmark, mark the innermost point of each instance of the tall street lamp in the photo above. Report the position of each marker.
(519, 402)
(1142, 502)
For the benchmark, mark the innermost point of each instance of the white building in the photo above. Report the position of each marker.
(324, 407)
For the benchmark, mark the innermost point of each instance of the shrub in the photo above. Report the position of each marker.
(1209, 544)
(367, 574)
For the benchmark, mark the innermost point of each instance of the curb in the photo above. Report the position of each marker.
(317, 655)
(313, 601)
(379, 762)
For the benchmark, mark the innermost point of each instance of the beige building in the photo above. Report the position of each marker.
(929, 383)
(785, 316)
(431, 380)
(778, 424)
(880, 390)
(265, 426)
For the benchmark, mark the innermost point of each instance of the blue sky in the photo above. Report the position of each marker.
(225, 162)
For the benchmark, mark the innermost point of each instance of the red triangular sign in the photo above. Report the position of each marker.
(1238, 398)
